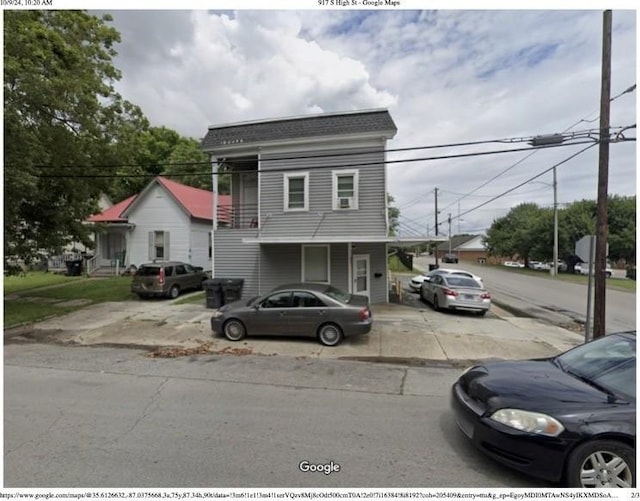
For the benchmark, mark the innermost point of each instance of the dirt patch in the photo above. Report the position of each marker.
(203, 349)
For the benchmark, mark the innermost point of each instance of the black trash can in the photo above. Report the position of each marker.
(74, 267)
(232, 289)
(433, 267)
(214, 292)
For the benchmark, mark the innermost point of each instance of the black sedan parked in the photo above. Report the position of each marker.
(570, 418)
(313, 310)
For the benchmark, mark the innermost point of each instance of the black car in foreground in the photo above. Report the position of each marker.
(571, 418)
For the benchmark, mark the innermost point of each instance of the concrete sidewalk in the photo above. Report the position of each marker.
(404, 334)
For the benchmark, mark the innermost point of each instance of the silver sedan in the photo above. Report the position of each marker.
(313, 310)
(455, 292)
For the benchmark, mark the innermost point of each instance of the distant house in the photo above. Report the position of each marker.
(167, 220)
(467, 248)
(309, 202)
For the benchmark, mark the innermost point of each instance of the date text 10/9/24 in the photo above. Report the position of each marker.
(26, 3)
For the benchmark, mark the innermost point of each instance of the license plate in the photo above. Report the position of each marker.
(469, 297)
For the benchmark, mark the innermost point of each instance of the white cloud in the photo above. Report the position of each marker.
(446, 76)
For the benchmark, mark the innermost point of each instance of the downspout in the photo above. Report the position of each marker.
(350, 267)
(214, 226)
(259, 229)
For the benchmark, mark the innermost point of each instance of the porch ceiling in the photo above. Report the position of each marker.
(393, 241)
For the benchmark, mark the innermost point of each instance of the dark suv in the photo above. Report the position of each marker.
(450, 258)
(167, 278)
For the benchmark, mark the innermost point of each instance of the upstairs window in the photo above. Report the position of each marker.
(345, 189)
(296, 191)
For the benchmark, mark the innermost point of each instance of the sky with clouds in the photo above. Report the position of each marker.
(446, 76)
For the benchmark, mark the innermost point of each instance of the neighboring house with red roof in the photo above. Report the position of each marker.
(167, 220)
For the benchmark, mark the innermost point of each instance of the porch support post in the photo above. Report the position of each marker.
(350, 266)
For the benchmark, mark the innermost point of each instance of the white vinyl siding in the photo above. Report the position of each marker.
(316, 263)
(345, 188)
(296, 191)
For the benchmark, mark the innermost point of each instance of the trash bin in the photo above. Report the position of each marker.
(214, 292)
(433, 267)
(232, 289)
(74, 267)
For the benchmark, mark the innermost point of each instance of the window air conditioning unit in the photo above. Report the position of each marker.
(345, 203)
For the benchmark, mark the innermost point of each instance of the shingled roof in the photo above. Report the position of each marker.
(310, 126)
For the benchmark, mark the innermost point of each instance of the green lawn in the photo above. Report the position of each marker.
(17, 313)
(196, 297)
(58, 288)
(34, 280)
(396, 266)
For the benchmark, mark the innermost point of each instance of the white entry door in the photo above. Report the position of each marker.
(361, 278)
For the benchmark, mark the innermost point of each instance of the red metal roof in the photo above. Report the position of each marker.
(196, 201)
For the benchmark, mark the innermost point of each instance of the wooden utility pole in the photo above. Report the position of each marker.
(603, 183)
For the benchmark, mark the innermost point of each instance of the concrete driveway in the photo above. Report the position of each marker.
(407, 334)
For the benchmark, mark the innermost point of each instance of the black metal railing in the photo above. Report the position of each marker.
(238, 216)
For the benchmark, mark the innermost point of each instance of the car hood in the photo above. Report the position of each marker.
(536, 385)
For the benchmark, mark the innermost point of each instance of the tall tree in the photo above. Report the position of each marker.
(394, 215)
(61, 117)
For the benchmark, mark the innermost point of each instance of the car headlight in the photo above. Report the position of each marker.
(217, 314)
(532, 422)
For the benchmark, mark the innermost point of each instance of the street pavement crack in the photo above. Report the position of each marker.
(146, 411)
(37, 437)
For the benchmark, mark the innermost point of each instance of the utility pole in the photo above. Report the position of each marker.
(603, 182)
(449, 219)
(554, 270)
(436, 250)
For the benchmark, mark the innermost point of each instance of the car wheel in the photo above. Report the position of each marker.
(436, 305)
(602, 463)
(330, 334)
(234, 330)
(174, 292)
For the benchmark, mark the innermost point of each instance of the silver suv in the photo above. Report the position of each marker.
(167, 278)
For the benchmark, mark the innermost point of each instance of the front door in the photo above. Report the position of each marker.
(361, 279)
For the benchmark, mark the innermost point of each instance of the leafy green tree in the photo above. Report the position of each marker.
(516, 233)
(393, 214)
(61, 117)
(622, 228)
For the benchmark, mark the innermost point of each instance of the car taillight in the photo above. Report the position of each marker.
(364, 314)
(449, 292)
(485, 295)
(161, 276)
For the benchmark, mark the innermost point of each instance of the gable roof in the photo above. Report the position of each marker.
(304, 127)
(196, 202)
(456, 242)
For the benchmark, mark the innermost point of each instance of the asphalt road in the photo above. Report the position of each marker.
(106, 417)
(548, 299)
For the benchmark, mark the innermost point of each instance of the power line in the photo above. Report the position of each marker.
(528, 180)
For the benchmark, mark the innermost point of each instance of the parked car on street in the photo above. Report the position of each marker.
(450, 258)
(313, 310)
(455, 292)
(569, 418)
(416, 282)
(167, 278)
(583, 269)
(513, 264)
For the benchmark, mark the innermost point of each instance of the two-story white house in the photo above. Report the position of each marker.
(309, 199)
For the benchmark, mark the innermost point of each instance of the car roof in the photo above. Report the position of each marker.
(163, 263)
(302, 286)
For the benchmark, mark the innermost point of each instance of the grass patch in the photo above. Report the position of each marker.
(94, 290)
(396, 266)
(34, 280)
(17, 313)
(97, 290)
(196, 297)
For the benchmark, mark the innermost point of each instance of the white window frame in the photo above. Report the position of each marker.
(336, 200)
(303, 274)
(287, 177)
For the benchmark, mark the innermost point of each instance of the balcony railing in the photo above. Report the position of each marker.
(238, 216)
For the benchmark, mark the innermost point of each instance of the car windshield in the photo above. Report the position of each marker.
(460, 281)
(337, 294)
(148, 271)
(608, 362)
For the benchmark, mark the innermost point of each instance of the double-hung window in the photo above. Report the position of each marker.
(296, 191)
(345, 189)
